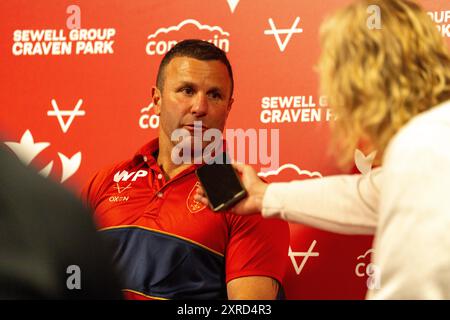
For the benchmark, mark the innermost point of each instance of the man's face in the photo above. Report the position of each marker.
(194, 90)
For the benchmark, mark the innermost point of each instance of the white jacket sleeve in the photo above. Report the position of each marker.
(344, 204)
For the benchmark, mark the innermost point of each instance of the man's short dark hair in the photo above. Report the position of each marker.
(197, 49)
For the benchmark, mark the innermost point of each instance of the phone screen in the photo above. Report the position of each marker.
(222, 185)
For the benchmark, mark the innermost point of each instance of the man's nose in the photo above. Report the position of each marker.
(200, 105)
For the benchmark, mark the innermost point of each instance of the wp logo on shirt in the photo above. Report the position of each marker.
(133, 175)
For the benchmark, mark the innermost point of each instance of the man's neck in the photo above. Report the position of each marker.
(164, 160)
(168, 168)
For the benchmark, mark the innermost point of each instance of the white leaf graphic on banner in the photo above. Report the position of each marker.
(46, 171)
(69, 166)
(26, 150)
(364, 163)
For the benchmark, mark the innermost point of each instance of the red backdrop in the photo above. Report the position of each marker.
(75, 100)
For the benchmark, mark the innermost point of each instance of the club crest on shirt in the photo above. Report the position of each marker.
(192, 204)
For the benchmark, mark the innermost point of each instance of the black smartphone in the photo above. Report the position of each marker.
(222, 185)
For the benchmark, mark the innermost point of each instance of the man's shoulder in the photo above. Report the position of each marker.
(129, 165)
(101, 180)
(256, 223)
(111, 170)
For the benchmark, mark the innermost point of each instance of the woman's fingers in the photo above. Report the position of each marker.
(238, 166)
(201, 199)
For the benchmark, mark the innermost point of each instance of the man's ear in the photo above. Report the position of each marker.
(156, 99)
(229, 105)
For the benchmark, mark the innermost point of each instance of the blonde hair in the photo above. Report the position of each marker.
(376, 80)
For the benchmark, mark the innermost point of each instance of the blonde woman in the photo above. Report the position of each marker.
(390, 88)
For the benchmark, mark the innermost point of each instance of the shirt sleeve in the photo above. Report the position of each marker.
(345, 204)
(89, 192)
(257, 247)
(96, 186)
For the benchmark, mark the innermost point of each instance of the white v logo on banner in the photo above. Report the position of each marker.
(276, 33)
(66, 113)
(305, 256)
(233, 4)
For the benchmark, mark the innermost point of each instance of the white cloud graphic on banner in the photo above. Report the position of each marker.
(372, 271)
(185, 22)
(148, 120)
(363, 256)
(290, 166)
(217, 36)
(148, 108)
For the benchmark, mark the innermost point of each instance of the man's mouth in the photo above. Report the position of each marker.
(192, 127)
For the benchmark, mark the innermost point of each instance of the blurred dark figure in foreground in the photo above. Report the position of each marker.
(49, 248)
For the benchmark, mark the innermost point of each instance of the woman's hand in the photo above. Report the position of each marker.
(255, 191)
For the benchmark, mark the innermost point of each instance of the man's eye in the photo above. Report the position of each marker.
(215, 95)
(187, 91)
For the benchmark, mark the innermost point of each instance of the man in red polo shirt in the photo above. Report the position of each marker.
(168, 245)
